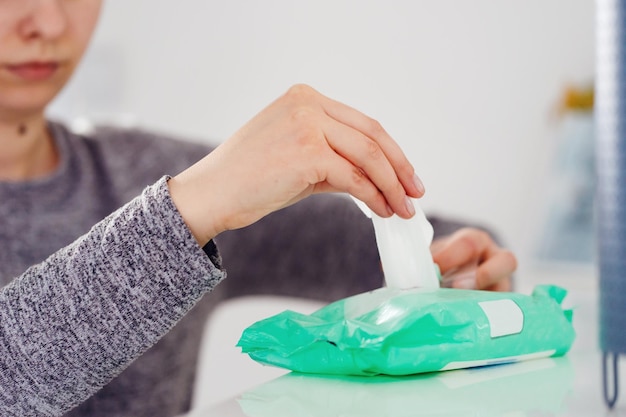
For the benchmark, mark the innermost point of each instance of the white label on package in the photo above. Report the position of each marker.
(505, 317)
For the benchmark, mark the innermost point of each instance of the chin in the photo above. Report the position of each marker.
(26, 101)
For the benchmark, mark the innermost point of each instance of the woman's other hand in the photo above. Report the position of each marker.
(469, 258)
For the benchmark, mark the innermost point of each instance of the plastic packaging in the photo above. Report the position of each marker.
(403, 332)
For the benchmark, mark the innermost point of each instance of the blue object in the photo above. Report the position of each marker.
(610, 115)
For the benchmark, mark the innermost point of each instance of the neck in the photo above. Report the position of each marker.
(27, 150)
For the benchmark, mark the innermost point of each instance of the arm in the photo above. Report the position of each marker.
(70, 324)
(73, 322)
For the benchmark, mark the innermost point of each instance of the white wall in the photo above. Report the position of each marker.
(466, 87)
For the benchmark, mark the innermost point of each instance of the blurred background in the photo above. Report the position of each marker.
(490, 99)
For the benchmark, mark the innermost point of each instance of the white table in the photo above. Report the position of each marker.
(566, 386)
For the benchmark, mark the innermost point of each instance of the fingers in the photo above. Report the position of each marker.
(374, 131)
(471, 252)
(503, 285)
(462, 248)
(370, 163)
(363, 142)
(343, 175)
(495, 272)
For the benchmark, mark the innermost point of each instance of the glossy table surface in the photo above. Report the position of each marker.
(564, 386)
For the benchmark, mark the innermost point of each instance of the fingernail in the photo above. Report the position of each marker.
(389, 210)
(419, 184)
(409, 206)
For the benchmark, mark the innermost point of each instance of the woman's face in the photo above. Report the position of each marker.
(41, 43)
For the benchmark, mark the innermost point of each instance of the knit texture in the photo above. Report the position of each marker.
(70, 324)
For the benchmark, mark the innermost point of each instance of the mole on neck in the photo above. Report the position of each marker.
(22, 129)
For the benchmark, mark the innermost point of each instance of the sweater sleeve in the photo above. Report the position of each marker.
(72, 323)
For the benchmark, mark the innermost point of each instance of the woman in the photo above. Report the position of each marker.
(103, 254)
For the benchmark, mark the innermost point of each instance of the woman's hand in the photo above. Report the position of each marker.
(302, 143)
(470, 258)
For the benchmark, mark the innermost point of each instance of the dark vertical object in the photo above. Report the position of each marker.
(610, 114)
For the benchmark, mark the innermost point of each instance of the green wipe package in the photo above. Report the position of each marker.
(403, 332)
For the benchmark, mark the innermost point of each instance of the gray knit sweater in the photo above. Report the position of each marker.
(104, 292)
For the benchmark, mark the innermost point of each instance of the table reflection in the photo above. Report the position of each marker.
(536, 387)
